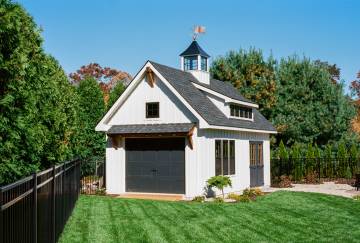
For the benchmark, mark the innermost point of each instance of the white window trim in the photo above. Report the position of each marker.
(222, 157)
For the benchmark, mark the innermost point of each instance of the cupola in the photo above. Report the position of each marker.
(196, 61)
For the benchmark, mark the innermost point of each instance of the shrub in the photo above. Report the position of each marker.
(100, 191)
(250, 192)
(198, 199)
(218, 200)
(311, 177)
(285, 181)
(244, 198)
(258, 191)
(220, 182)
(234, 196)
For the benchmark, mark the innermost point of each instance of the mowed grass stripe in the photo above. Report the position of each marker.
(277, 217)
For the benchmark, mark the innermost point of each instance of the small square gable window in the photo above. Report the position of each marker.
(152, 110)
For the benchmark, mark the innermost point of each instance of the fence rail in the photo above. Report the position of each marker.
(299, 168)
(36, 208)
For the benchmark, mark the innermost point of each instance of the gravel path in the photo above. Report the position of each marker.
(330, 188)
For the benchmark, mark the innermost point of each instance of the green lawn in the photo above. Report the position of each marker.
(277, 217)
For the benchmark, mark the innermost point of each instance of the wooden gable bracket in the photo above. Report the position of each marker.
(150, 76)
(189, 137)
(116, 141)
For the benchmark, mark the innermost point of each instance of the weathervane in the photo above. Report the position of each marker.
(197, 31)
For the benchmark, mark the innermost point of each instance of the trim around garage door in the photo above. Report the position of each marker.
(155, 165)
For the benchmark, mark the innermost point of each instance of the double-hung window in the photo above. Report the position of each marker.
(224, 157)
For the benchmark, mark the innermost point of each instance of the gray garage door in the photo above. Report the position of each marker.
(155, 165)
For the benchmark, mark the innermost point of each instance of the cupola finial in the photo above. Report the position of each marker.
(198, 29)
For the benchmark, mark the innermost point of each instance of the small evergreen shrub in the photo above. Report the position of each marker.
(198, 199)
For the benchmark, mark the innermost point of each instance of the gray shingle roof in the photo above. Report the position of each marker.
(194, 49)
(151, 128)
(224, 88)
(182, 82)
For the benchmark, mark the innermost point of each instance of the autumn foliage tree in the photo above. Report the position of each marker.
(355, 86)
(251, 74)
(107, 77)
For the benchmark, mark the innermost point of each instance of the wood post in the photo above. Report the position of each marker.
(189, 136)
(35, 208)
(150, 76)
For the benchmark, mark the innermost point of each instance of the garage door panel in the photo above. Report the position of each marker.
(155, 165)
(177, 156)
(133, 157)
(164, 156)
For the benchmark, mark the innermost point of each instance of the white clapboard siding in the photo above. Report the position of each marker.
(133, 110)
(200, 162)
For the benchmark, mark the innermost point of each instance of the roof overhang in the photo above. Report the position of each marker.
(240, 129)
(151, 129)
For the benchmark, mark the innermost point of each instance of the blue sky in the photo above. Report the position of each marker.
(124, 34)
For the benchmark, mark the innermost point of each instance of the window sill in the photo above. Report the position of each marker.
(241, 118)
(152, 119)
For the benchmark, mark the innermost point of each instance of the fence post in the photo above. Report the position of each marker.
(1, 216)
(35, 207)
(53, 205)
(104, 173)
(319, 168)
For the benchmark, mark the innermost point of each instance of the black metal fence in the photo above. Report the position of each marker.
(299, 168)
(36, 208)
(93, 177)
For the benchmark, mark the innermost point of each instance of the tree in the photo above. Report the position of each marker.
(355, 91)
(333, 70)
(107, 77)
(310, 156)
(328, 156)
(220, 182)
(91, 110)
(354, 156)
(309, 108)
(298, 166)
(283, 153)
(253, 76)
(355, 86)
(342, 157)
(115, 94)
(37, 104)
